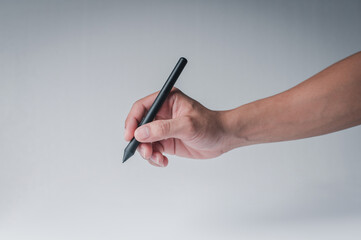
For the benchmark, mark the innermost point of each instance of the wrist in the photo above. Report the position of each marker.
(247, 124)
(233, 126)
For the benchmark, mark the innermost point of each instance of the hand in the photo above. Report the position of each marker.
(182, 127)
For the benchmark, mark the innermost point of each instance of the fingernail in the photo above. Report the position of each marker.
(154, 159)
(157, 161)
(142, 150)
(143, 132)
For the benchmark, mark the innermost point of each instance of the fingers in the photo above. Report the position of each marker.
(158, 130)
(136, 114)
(145, 150)
(129, 129)
(158, 160)
(153, 154)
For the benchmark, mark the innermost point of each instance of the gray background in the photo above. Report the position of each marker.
(70, 71)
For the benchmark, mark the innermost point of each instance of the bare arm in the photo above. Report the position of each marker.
(327, 102)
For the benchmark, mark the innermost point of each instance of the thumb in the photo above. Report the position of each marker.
(160, 129)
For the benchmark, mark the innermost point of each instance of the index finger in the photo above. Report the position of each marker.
(136, 114)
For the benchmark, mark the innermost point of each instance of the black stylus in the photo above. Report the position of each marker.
(158, 102)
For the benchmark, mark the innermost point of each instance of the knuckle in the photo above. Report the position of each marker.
(175, 93)
(176, 90)
(136, 104)
(191, 107)
(190, 125)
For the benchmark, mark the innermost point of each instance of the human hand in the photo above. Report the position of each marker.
(182, 127)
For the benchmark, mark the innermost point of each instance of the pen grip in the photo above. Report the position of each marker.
(158, 102)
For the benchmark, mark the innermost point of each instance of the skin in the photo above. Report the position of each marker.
(327, 102)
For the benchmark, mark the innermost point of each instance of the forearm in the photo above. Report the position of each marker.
(327, 102)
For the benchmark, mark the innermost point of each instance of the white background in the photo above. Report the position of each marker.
(70, 71)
